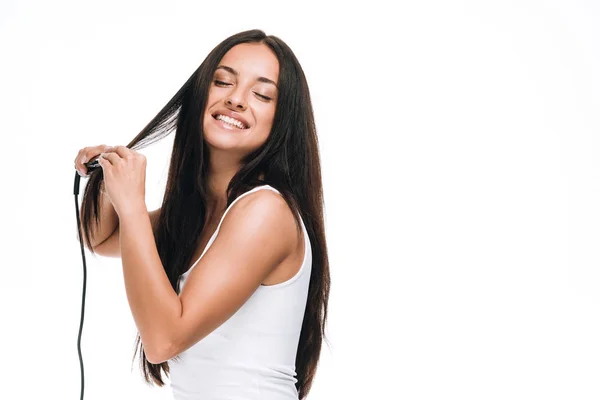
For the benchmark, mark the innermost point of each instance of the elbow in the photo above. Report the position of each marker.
(153, 360)
(160, 354)
(154, 357)
(163, 344)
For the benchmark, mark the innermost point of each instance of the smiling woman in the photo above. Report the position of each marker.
(242, 99)
(228, 281)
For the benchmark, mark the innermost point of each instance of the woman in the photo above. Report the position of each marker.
(228, 281)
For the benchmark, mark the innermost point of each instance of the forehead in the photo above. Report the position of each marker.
(252, 60)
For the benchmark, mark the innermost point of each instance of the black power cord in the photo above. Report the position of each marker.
(90, 166)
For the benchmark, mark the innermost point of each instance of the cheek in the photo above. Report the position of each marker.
(210, 98)
(267, 115)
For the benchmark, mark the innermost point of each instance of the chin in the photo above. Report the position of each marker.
(218, 139)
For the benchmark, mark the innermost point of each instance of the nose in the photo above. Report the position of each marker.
(236, 100)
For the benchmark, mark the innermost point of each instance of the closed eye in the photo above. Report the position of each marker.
(264, 97)
(221, 83)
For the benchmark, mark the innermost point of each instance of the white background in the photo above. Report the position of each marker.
(459, 147)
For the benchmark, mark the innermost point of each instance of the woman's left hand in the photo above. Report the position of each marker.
(124, 178)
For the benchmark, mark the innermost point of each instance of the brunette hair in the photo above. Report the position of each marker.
(289, 160)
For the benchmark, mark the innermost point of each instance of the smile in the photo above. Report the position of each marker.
(228, 123)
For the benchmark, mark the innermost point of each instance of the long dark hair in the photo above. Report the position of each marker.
(289, 160)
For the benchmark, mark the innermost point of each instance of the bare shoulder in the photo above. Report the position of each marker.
(263, 203)
(264, 210)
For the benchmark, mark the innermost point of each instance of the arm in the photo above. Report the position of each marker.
(111, 247)
(256, 235)
(154, 304)
(108, 224)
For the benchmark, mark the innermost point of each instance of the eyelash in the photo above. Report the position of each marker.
(217, 82)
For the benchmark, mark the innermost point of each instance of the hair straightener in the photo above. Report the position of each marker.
(91, 165)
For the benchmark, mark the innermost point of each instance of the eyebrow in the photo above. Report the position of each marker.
(260, 78)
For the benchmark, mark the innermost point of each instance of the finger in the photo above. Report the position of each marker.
(111, 157)
(138, 154)
(93, 155)
(82, 171)
(123, 151)
(80, 154)
(81, 158)
(86, 154)
(104, 163)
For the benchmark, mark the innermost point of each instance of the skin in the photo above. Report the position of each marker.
(243, 93)
(240, 94)
(261, 225)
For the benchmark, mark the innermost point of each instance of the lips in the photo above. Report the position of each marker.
(233, 115)
(227, 126)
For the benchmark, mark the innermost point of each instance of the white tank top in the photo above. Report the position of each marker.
(252, 355)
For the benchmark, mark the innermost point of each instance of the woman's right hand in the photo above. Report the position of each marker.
(86, 154)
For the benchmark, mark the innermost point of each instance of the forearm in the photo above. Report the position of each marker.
(108, 223)
(153, 302)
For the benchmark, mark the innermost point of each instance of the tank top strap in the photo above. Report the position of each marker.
(214, 235)
(239, 197)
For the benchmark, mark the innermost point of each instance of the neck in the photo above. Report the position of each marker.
(221, 171)
(217, 190)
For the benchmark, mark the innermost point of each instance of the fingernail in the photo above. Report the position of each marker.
(83, 159)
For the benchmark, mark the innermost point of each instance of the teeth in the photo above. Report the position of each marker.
(230, 120)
